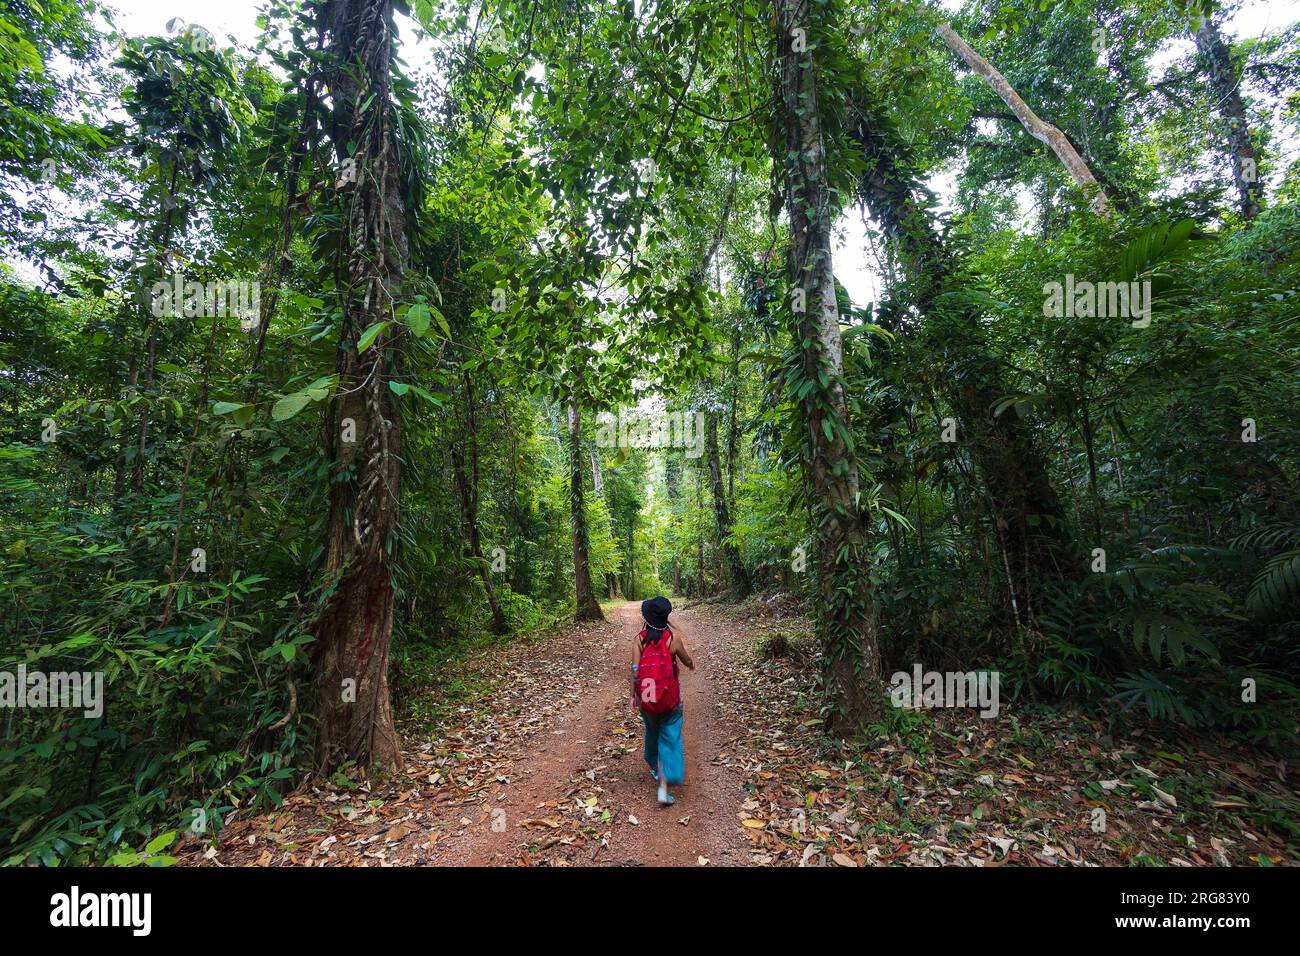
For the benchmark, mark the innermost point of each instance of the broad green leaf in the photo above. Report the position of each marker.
(161, 842)
(369, 335)
(417, 319)
(290, 406)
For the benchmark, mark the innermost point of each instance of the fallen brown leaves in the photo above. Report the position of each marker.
(1046, 788)
(1030, 788)
(452, 770)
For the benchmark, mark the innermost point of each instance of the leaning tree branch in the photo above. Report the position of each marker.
(1041, 130)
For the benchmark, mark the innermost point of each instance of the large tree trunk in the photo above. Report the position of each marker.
(1026, 511)
(354, 629)
(586, 607)
(1225, 84)
(845, 604)
(1039, 129)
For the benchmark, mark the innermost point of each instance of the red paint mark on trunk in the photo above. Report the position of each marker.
(378, 592)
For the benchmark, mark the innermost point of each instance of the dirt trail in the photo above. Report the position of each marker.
(596, 745)
(539, 763)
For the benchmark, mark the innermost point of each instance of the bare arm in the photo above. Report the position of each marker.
(636, 656)
(679, 650)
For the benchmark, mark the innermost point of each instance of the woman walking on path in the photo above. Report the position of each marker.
(656, 693)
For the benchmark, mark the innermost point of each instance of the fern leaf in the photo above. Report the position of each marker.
(1277, 584)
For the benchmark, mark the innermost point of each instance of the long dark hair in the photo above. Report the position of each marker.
(652, 635)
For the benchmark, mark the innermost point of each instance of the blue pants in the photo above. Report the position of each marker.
(663, 744)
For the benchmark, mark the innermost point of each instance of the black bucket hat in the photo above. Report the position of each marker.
(656, 611)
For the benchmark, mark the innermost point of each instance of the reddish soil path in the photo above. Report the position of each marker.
(591, 752)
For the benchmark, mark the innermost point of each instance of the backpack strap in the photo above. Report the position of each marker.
(668, 646)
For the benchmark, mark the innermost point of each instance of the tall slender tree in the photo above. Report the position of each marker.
(354, 629)
(586, 607)
(1026, 510)
(1225, 83)
(845, 600)
(465, 472)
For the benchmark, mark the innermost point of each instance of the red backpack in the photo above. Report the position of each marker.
(656, 675)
